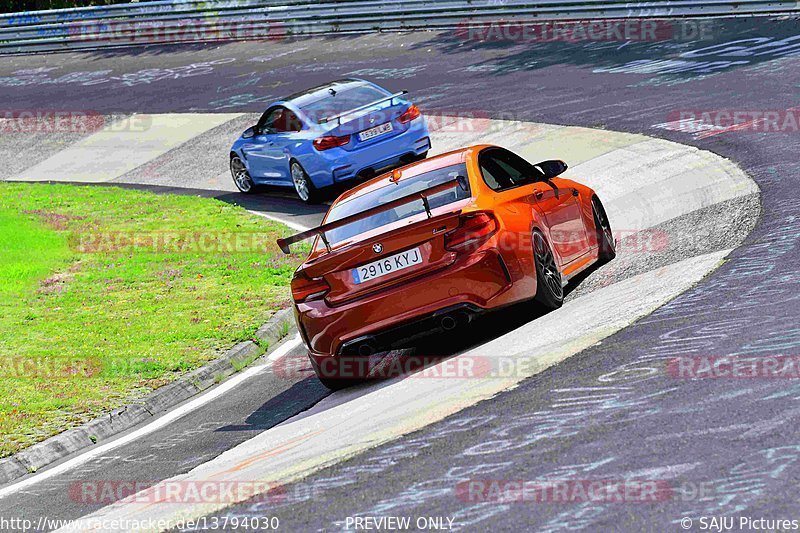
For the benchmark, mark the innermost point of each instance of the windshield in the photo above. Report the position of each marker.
(344, 100)
(391, 192)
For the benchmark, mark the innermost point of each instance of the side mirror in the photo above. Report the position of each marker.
(551, 168)
(249, 133)
(463, 183)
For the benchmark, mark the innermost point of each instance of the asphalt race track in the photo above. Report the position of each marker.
(727, 447)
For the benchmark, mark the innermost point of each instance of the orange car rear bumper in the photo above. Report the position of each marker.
(474, 282)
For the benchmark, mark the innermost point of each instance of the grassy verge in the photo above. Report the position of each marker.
(107, 294)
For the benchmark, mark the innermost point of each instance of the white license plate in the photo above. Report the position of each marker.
(374, 132)
(387, 265)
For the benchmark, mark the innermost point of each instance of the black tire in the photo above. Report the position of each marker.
(241, 178)
(421, 156)
(605, 237)
(331, 376)
(549, 289)
(337, 384)
(303, 185)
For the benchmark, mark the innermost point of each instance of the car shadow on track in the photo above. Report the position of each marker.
(299, 397)
(274, 200)
(487, 327)
(433, 349)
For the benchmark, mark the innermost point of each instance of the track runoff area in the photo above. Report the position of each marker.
(690, 144)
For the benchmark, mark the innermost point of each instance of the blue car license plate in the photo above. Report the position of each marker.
(375, 132)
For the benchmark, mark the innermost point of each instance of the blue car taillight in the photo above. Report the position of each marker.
(330, 141)
(410, 114)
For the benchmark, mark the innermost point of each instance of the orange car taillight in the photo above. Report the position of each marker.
(305, 288)
(330, 141)
(409, 114)
(475, 228)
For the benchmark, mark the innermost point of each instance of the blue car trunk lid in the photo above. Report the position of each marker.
(366, 121)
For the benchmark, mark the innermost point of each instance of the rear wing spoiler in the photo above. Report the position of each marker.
(361, 108)
(421, 195)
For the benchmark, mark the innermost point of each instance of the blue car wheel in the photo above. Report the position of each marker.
(241, 178)
(302, 184)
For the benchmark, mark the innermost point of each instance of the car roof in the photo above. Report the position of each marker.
(409, 171)
(313, 94)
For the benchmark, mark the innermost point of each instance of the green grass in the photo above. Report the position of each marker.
(84, 331)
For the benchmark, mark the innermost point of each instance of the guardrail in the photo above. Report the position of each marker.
(202, 21)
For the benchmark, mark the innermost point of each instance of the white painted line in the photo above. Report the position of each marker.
(168, 418)
(293, 225)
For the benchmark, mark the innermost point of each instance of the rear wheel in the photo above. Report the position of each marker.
(241, 178)
(338, 384)
(549, 290)
(605, 238)
(333, 376)
(302, 184)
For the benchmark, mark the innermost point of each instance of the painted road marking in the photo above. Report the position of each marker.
(286, 222)
(161, 422)
(110, 153)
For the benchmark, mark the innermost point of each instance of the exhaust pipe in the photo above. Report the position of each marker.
(464, 317)
(366, 349)
(448, 323)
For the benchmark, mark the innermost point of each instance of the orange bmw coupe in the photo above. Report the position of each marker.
(435, 243)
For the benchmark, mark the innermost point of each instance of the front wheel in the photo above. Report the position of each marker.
(241, 178)
(302, 184)
(549, 290)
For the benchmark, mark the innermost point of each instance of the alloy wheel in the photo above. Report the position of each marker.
(547, 263)
(300, 181)
(240, 176)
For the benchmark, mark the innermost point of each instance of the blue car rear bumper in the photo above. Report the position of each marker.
(337, 164)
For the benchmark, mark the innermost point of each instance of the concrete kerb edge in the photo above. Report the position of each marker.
(156, 403)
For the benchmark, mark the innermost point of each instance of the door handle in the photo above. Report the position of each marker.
(574, 192)
(538, 194)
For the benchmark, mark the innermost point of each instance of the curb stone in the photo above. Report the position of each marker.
(157, 402)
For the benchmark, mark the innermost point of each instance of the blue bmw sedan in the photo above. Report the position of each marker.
(345, 130)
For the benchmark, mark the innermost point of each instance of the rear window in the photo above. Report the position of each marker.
(344, 100)
(386, 194)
